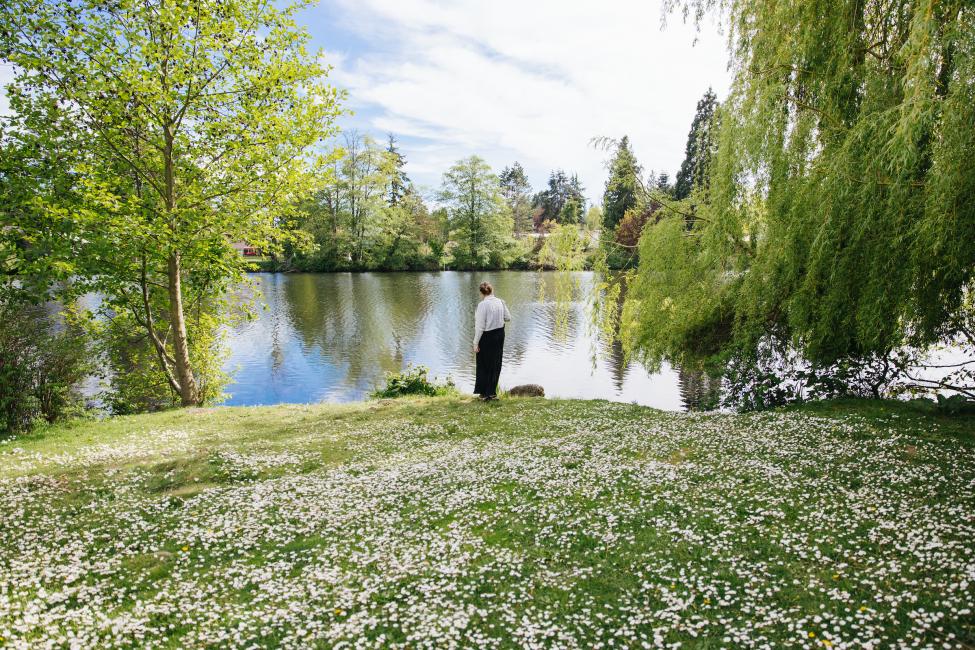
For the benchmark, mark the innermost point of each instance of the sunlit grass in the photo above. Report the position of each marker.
(450, 522)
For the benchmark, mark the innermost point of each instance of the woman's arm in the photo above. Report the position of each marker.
(507, 314)
(479, 316)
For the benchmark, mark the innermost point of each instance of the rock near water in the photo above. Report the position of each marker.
(527, 390)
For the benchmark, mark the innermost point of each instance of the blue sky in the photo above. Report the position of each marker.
(526, 80)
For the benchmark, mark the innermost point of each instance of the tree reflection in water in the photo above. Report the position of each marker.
(334, 336)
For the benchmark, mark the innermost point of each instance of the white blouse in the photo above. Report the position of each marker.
(491, 314)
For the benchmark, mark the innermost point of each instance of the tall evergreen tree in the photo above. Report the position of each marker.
(623, 186)
(700, 147)
(576, 191)
(398, 180)
(553, 197)
(517, 194)
(561, 188)
(572, 211)
(662, 183)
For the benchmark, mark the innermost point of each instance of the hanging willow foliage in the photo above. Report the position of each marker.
(841, 208)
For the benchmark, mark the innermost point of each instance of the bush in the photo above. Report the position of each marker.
(43, 360)
(135, 382)
(413, 381)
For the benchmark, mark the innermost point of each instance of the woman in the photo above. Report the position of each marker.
(489, 320)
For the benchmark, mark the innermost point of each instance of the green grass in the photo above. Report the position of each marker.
(450, 522)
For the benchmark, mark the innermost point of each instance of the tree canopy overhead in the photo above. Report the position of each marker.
(841, 208)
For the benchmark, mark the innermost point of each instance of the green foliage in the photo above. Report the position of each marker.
(562, 191)
(571, 211)
(479, 219)
(400, 235)
(955, 405)
(172, 141)
(413, 381)
(43, 359)
(134, 381)
(677, 308)
(517, 194)
(399, 182)
(36, 244)
(564, 250)
(836, 217)
(846, 164)
(356, 222)
(367, 215)
(622, 187)
(699, 150)
(594, 218)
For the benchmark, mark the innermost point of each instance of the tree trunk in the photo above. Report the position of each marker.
(188, 393)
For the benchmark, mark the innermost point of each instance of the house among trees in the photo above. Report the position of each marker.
(246, 250)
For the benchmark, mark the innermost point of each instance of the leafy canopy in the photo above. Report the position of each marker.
(479, 217)
(840, 212)
(178, 128)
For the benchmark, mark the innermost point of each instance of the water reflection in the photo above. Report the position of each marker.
(699, 391)
(333, 336)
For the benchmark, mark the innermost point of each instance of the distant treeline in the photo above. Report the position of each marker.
(367, 214)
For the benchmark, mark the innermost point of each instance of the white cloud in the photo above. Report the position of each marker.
(532, 81)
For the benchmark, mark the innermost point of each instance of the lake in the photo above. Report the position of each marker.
(332, 338)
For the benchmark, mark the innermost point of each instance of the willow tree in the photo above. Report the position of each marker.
(192, 124)
(841, 206)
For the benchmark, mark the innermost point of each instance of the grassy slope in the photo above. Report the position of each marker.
(449, 522)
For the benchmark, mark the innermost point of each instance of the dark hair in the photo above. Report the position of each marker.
(486, 288)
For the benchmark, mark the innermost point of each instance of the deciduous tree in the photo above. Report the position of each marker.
(197, 119)
(840, 206)
(479, 218)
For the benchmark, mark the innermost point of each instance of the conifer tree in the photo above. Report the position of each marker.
(622, 187)
(517, 194)
(398, 180)
(699, 149)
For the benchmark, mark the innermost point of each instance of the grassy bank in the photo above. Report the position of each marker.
(448, 522)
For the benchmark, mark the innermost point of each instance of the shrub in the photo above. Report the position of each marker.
(413, 381)
(134, 381)
(43, 360)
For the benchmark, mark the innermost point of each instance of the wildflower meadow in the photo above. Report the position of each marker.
(444, 523)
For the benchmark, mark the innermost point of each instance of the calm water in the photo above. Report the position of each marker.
(332, 337)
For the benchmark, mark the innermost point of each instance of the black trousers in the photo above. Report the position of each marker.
(489, 363)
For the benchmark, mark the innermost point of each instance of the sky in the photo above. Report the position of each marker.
(6, 76)
(527, 80)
